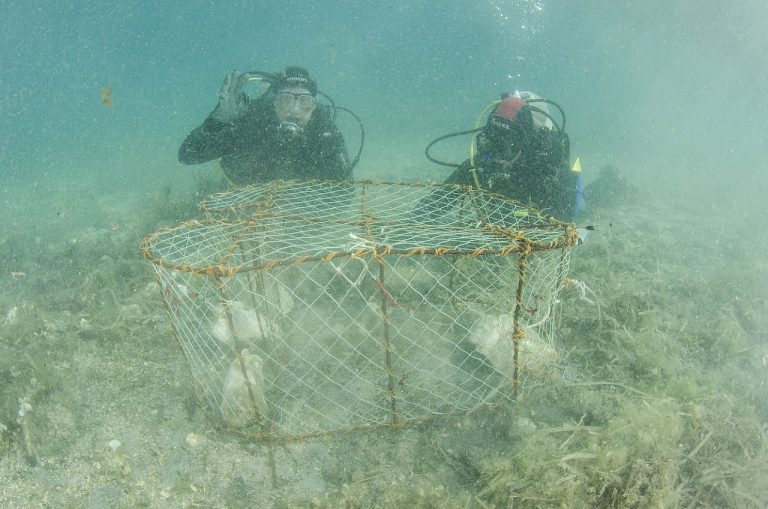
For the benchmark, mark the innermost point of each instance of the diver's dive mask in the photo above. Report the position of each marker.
(287, 100)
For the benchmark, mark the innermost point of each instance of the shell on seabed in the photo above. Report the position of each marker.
(237, 407)
(492, 337)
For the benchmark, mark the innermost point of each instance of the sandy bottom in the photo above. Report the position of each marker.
(660, 398)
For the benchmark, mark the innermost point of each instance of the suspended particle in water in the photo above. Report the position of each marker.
(106, 96)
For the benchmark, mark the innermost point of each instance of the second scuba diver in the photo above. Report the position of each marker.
(522, 153)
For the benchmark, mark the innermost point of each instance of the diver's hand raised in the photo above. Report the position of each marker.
(233, 102)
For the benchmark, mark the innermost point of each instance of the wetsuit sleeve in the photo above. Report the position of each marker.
(461, 175)
(207, 142)
(334, 163)
(566, 195)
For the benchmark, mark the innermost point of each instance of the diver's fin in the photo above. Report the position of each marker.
(583, 234)
(576, 168)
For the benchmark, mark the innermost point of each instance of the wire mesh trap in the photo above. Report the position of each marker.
(304, 308)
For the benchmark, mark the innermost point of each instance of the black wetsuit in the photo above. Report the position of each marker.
(252, 149)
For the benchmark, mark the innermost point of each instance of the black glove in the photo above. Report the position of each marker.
(233, 102)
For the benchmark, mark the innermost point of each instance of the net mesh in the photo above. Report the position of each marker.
(304, 308)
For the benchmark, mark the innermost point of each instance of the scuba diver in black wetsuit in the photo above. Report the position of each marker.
(282, 134)
(522, 153)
